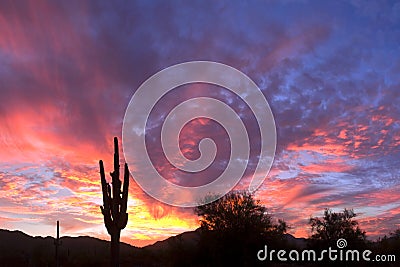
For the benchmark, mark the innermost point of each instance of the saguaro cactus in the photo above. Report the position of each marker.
(114, 203)
(57, 244)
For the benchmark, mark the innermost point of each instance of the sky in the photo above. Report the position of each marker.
(329, 70)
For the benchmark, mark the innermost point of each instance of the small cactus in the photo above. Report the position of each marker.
(114, 203)
(57, 244)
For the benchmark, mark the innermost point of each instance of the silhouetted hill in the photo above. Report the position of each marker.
(190, 238)
(295, 242)
(20, 249)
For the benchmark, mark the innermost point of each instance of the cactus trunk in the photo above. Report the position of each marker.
(57, 243)
(114, 203)
(115, 249)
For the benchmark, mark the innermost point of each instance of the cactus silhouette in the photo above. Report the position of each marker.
(114, 203)
(57, 244)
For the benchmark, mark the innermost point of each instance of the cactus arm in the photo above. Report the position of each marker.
(105, 209)
(123, 220)
(125, 189)
(104, 185)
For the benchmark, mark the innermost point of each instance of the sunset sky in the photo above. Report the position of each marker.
(330, 71)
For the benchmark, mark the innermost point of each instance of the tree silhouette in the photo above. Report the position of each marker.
(234, 228)
(389, 245)
(115, 204)
(336, 225)
(238, 211)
